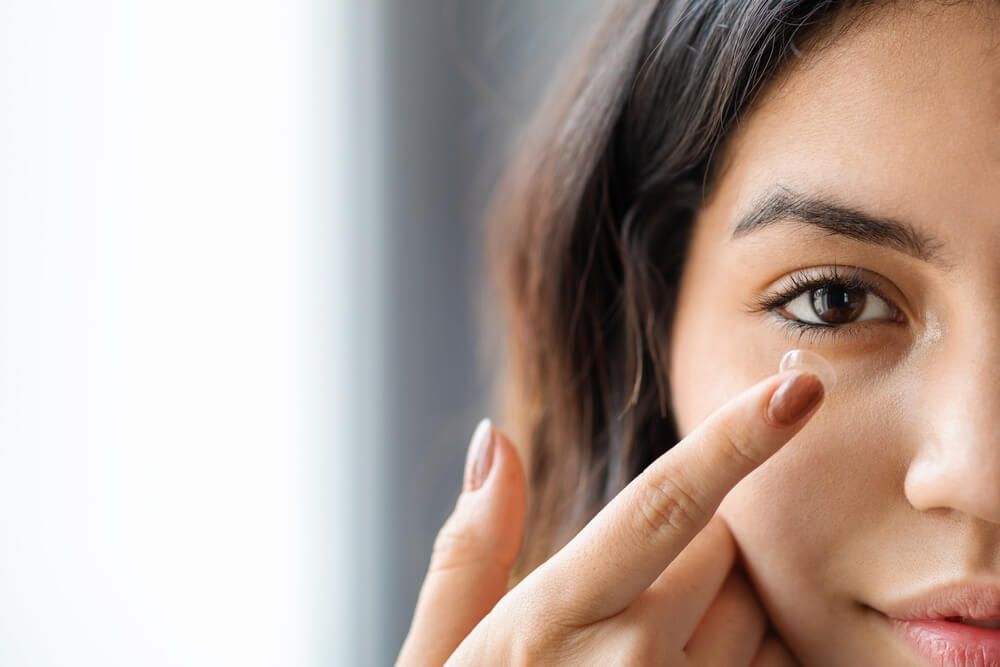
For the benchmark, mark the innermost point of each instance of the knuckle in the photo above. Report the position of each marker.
(644, 651)
(541, 636)
(738, 446)
(669, 505)
(543, 647)
(639, 643)
(633, 637)
(532, 643)
(454, 547)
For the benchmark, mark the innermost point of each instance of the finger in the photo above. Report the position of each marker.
(473, 552)
(773, 654)
(732, 629)
(696, 577)
(632, 540)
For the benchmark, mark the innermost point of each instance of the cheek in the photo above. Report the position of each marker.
(804, 519)
(714, 358)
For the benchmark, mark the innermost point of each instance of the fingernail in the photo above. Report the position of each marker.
(794, 398)
(808, 361)
(480, 456)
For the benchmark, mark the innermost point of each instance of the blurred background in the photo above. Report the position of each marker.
(239, 354)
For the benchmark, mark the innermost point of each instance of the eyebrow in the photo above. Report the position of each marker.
(781, 204)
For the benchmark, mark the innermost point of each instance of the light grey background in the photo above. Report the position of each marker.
(460, 78)
(239, 264)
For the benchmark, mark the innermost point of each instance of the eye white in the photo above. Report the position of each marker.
(801, 307)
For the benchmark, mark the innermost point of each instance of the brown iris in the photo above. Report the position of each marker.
(836, 305)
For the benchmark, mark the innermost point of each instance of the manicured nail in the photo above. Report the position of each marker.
(794, 398)
(480, 456)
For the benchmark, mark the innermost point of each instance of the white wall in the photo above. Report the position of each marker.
(166, 440)
(239, 252)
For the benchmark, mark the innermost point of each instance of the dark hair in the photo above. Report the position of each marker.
(588, 232)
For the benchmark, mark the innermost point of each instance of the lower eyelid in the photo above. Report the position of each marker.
(800, 330)
(829, 333)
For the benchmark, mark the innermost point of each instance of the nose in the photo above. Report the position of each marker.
(957, 462)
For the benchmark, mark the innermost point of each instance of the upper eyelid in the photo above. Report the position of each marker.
(797, 282)
(795, 291)
(800, 281)
(798, 292)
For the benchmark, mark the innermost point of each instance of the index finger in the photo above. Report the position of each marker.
(634, 537)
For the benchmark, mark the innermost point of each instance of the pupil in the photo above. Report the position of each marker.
(835, 305)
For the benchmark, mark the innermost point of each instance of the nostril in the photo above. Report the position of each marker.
(954, 482)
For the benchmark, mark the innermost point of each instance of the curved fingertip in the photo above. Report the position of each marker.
(794, 399)
(492, 507)
(508, 460)
(506, 487)
(492, 459)
(472, 554)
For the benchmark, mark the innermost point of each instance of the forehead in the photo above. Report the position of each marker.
(901, 115)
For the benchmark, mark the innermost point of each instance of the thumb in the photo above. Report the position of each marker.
(473, 553)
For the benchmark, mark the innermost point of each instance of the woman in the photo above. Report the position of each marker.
(716, 183)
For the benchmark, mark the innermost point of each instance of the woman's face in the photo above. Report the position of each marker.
(893, 488)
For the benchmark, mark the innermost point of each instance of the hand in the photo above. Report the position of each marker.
(649, 580)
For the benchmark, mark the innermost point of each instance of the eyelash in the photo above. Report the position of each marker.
(853, 280)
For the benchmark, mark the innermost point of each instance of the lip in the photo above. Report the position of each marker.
(928, 623)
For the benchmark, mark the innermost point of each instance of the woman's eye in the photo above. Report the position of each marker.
(834, 305)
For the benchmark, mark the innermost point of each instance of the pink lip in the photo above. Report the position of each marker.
(929, 624)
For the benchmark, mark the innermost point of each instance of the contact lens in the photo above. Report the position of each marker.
(810, 362)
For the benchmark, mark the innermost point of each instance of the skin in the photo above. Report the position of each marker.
(893, 487)
(649, 580)
(885, 489)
